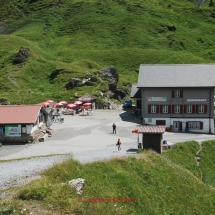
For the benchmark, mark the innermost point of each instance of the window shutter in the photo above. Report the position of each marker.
(193, 109)
(201, 125)
(181, 108)
(187, 124)
(161, 110)
(180, 126)
(157, 108)
(181, 93)
(172, 108)
(205, 108)
(197, 108)
(184, 108)
(169, 109)
(173, 94)
(149, 108)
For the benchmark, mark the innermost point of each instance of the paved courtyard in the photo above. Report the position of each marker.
(89, 138)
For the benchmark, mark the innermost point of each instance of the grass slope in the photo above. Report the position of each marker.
(159, 186)
(79, 38)
(207, 162)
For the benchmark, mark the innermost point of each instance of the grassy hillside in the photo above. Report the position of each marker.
(157, 185)
(208, 162)
(79, 38)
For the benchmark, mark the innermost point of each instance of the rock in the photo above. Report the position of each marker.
(2, 100)
(109, 73)
(22, 55)
(119, 94)
(77, 82)
(112, 85)
(78, 184)
(76, 95)
(74, 82)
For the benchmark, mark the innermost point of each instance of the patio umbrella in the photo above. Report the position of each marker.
(44, 104)
(87, 104)
(63, 102)
(58, 104)
(71, 105)
(49, 101)
(77, 103)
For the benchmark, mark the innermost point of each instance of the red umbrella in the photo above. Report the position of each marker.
(58, 104)
(71, 105)
(63, 102)
(44, 104)
(49, 101)
(87, 104)
(77, 103)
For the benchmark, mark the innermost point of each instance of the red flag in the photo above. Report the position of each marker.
(135, 131)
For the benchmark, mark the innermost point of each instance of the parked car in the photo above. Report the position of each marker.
(127, 103)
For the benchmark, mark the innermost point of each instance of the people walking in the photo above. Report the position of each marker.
(118, 143)
(114, 128)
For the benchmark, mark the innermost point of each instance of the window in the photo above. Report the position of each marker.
(189, 109)
(2, 129)
(24, 131)
(153, 108)
(165, 109)
(201, 109)
(195, 125)
(177, 93)
(176, 108)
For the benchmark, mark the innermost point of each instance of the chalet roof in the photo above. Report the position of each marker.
(176, 75)
(87, 98)
(135, 92)
(153, 129)
(19, 114)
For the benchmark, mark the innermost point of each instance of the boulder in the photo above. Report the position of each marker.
(22, 55)
(2, 100)
(78, 184)
(78, 82)
(74, 82)
(109, 73)
(112, 85)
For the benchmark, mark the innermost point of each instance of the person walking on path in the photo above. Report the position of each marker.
(114, 128)
(118, 143)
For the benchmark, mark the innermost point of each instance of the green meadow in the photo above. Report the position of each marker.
(147, 184)
(76, 39)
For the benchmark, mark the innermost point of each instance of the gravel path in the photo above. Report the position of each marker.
(20, 172)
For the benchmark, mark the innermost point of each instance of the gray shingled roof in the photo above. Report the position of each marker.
(135, 92)
(176, 75)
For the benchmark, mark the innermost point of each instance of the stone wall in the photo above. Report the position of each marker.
(25, 138)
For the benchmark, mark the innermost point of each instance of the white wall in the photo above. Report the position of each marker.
(29, 129)
(169, 121)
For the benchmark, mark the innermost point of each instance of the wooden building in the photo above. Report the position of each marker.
(18, 122)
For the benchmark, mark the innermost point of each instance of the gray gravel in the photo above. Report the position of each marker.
(20, 172)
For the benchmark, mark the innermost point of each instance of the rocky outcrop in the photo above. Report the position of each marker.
(78, 184)
(112, 76)
(109, 73)
(74, 82)
(22, 55)
(78, 82)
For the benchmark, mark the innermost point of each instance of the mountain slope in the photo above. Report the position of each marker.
(79, 38)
